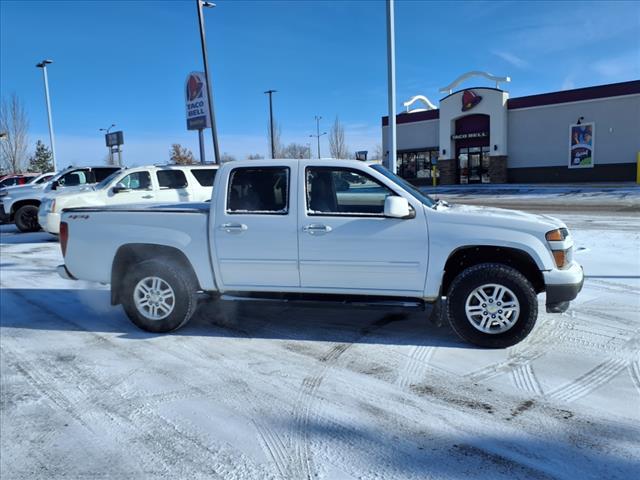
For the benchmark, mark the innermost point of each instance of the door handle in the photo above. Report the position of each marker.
(233, 227)
(316, 229)
(147, 196)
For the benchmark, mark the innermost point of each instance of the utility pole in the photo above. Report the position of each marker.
(273, 147)
(391, 84)
(214, 131)
(43, 65)
(318, 134)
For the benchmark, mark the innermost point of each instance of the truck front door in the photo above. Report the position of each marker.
(255, 229)
(346, 242)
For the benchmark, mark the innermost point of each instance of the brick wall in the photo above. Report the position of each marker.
(447, 171)
(498, 169)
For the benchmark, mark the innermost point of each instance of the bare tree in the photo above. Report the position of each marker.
(227, 157)
(110, 159)
(377, 153)
(295, 150)
(14, 125)
(255, 156)
(337, 143)
(181, 155)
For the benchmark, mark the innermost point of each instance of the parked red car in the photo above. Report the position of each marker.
(20, 179)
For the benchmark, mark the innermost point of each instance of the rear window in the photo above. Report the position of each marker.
(172, 179)
(205, 176)
(259, 191)
(102, 173)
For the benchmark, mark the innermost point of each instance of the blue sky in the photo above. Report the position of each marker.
(125, 62)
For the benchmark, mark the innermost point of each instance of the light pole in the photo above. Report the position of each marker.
(273, 147)
(309, 150)
(107, 133)
(391, 84)
(318, 134)
(43, 65)
(214, 131)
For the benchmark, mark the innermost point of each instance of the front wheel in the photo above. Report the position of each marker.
(159, 295)
(26, 219)
(492, 305)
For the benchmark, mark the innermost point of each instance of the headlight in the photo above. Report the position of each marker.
(557, 235)
(562, 251)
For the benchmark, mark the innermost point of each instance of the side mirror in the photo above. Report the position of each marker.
(397, 207)
(119, 187)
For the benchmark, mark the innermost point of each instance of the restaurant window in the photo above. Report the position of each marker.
(417, 164)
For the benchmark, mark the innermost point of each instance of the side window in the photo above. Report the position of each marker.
(137, 181)
(343, 191)
(204, 176)
(263, 190)
(74, 178)
(168, 179)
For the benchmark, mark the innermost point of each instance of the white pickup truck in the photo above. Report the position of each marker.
(326, 230)
(138, 185)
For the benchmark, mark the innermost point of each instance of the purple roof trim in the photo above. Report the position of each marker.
(413, 117)
(565, 96)
(577, 95)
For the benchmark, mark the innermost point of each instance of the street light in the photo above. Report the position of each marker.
(214, 131)
(107, 132)
(273, 147)
(318, 134)
(391, 84)
(107, 129)
(43, 65)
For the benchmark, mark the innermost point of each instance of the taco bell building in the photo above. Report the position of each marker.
(480, 135)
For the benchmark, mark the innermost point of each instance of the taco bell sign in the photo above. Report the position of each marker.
(196, 102)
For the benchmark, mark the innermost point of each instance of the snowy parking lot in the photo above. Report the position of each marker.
(283, 392)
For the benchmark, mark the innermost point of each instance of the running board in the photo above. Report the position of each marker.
(325, 300)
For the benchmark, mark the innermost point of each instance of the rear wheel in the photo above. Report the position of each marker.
(492, 305)
(159, 295)
(26, 218)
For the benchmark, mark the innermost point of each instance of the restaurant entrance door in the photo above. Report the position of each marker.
(473, 164)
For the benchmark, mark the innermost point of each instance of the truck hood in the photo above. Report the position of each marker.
(22, 190)
(498, 217)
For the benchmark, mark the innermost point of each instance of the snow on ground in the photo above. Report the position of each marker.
(281, 392)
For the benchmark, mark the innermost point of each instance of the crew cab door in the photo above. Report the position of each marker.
(255, 229)
(346, 242)
(135, 187)
(173, 186)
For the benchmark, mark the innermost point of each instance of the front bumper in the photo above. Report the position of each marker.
(562, 286)
(4, 217)
(49, 221)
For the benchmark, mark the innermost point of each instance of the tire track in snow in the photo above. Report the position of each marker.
(634, 371)
(416, 366)
(525, 379)
(523, 353)
(305, 408)
(127, 414)
(590, 381)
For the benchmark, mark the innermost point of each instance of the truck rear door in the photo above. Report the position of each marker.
(255, 229)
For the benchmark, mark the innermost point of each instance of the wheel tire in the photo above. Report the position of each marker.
(182, 283)
(491, 273)
(26, 219)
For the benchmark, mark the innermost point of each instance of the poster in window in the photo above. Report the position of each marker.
(581, 142)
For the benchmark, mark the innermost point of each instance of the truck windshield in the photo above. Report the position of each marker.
(401, 182)
(107, 181)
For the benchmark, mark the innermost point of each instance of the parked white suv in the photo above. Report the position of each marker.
(149, 184)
